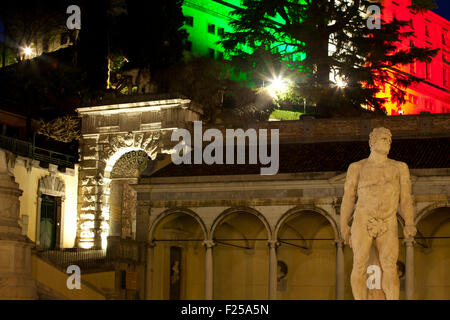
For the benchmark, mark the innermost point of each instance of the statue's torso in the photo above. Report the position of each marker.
(378, 189)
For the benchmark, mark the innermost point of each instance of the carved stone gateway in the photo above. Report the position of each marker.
(378, 185)
(108, 133)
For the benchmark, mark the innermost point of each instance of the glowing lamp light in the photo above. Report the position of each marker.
(341, 83)
(27, 51)
(277, 86)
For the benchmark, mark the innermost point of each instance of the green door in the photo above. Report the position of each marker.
(47, 227)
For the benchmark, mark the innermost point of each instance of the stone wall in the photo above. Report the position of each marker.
(344, 129)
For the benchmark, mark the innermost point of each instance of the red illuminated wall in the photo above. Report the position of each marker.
(430, 30)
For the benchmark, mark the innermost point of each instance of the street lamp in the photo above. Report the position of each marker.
(27, 51)
(277, 86)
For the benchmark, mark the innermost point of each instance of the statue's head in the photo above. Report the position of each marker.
(380, 140)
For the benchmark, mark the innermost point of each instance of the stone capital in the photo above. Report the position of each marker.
(209, 243)
(339, 243)
(409, 242)
(273, 243)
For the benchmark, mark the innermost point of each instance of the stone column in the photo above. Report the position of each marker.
(409, 269)
(38, 220)
(273, 269)
(209, 271)
(340, 275)
(92, 198)
(15, 251)
(149, 271)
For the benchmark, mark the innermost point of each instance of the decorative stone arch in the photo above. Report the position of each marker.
(299, 209)
(172, 211)
(52, 186)
(109, 132)
(113, 148)
(116, 146)
(232, 210)
(427, 210)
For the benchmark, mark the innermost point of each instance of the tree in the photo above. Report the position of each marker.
(143, 37)
(154, 35)
(219, 98)
(273, 34)
(28, 22)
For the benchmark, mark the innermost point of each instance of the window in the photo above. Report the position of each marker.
(427, 31)
(189, 21)
(211, 28)
(221, 31)
(211, 53)
(413, 99)
(412, 67)
(427, 71)
(445, 75)
(428, 105)
(444, 36)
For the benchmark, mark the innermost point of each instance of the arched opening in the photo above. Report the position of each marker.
(178, 258)
(123, 198)
(308, 251)
(432, 255)
(241, 257)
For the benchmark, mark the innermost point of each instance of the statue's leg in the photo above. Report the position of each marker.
(387, 245)
(361, 243)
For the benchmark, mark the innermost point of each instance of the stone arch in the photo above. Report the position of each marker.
(299, 209)
(122, 197)
(429, 209)
(424, 213)
(232, 210)
(171, 211)
(174, 237)
(307, 235)
(113, 147)
(241, 236)
(109, 130)
(53, 186)
(432, 251)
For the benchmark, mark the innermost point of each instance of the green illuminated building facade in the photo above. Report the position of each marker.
(206, 21)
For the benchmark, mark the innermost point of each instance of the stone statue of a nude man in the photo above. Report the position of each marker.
(377, 184)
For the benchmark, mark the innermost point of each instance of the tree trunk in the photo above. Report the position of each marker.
(322, 72)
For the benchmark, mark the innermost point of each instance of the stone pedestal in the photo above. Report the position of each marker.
(16, 281)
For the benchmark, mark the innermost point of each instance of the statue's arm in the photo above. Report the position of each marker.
(406, 201)
(348, 201)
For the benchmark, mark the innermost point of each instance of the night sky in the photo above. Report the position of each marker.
(444, 8)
